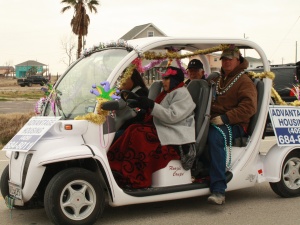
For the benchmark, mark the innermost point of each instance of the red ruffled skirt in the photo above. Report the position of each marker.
(137, 154)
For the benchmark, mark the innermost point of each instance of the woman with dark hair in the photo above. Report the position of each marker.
(128, 116)
(135, 84)
(150, 146)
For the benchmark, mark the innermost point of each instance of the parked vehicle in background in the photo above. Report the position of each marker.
(285, 77)
(34, 79)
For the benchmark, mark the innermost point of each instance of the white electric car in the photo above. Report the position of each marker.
(61, 163)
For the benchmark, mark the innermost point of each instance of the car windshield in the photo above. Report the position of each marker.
(72, 96)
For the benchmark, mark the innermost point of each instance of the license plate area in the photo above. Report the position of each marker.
(15, 191)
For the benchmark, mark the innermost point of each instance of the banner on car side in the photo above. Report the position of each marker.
(286, 124)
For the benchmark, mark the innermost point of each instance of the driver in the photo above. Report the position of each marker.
(135, 84)
(148, 147)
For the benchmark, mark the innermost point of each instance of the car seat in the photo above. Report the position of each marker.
(201, 92)
(155, 89)
(242, 142)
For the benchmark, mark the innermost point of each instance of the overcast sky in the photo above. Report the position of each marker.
(33, 29)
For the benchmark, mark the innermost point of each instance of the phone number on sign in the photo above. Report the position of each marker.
(286, 139)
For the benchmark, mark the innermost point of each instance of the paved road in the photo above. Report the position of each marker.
(17, 106)
(251, 206)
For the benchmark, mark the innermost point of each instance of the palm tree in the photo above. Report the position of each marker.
(80, 20)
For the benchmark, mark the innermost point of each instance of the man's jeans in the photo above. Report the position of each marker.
(217, 154)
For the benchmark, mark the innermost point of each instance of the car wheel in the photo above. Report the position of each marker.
(29, 84)
(289, 184)
(22, 85)
(4, 182)
(74, 196)
(5, 190)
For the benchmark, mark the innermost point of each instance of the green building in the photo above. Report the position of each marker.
(23, 68)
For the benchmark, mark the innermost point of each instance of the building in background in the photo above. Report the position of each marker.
(7, 71)
(142, 31)
(31, 66)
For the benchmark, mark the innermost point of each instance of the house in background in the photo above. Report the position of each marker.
(254, 62)
(23, 68)
(6, 70)
(215, 62)
(142, 31)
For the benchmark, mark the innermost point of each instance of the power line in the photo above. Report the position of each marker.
(285, 37)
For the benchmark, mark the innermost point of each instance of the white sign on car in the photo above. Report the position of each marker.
(286, 124)
(32, 131)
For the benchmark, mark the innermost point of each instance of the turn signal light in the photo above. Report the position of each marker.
(68, 127)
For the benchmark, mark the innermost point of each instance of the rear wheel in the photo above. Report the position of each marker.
(29, 84)
(289, 184)
(74, 196)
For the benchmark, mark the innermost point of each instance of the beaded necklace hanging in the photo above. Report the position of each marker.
(220, 90)
(227, 151)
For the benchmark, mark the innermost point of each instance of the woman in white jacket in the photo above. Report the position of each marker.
(149, 146)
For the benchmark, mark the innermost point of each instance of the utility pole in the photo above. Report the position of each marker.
(244, 48)
(296, 53)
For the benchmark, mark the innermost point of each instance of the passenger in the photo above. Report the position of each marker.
(135, 84)
(234, 104)
(195, 70)
(148, 147)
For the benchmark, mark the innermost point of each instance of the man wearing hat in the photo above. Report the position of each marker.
(233, 106)
(195, 70)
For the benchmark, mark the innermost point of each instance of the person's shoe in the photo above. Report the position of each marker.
(216, 198)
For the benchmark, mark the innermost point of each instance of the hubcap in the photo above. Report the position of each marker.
(78, 200)
(291, 173)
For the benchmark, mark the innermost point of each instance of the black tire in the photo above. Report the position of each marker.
(29, 84)
(4, 182)
(22, 85)
(58, 192)
(5, 191)
(289, 184)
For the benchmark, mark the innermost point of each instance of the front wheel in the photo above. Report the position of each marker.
(289, 184)
(74, 196)
(4, 182)
(29, 84)
(5, 191)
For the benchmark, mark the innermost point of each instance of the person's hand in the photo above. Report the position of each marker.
(145, 103)
(217, 120)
